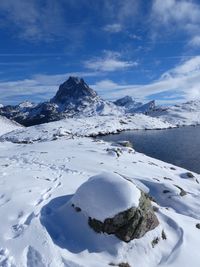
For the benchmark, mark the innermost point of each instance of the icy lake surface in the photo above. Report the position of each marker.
(179, 146)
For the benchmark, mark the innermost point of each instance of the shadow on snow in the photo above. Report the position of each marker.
(70, 230)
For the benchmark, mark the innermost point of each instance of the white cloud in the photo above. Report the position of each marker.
(176, 14)
(186, 68)
(113, 28)
(111, 61)
(195, 41)
(36, 20)
(182, 81)
(40, 87)
(169, 11)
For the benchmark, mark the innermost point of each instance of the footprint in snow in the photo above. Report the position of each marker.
(18, 229)
(46, 195)
(3, 200)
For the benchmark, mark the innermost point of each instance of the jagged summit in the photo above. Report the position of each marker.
(124, 101)
(132, 106)
(73, 89)
(128, 103)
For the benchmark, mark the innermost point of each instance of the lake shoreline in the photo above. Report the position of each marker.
(178, 146)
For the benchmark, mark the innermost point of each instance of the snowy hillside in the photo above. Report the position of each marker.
(7, 125)
(181, 114)
(85, 126)
(40, 228)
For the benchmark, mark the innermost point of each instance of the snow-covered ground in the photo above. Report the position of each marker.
(7, 125)
(38, 179)
(86, 126)
(181, 114)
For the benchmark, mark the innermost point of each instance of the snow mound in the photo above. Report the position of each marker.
(7, 125)
(105, 195)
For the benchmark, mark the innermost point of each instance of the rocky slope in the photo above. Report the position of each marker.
(131, 106)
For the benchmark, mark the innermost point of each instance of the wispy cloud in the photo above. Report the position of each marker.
(178, 84)
(110, 61)
(195, 41)
(181, 82)
(113, 28)
(178, 15)
(40, 87)
(36, 20)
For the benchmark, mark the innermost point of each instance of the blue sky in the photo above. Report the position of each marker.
(148, 49)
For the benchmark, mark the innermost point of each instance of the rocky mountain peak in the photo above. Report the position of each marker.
(74, 89)
(124, 101)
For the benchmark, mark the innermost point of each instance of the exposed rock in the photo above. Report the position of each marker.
(121, 264)
(189, 175)
(74, 92)
(128, 103)
(163, 235)
(155, 241)
(198, 225)
(125, 144)
(130, 224)
(182, 191)
(132, 106)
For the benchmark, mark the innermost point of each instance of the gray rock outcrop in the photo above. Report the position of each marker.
(129, 224)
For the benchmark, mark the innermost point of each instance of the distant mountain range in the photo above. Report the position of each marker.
(73, 98)
(132, 106)
(180, 114)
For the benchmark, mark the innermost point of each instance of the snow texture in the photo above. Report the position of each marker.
(105, 195)
(7, 125)
(180, 114)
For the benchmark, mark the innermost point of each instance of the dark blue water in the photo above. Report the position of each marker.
(180, 146)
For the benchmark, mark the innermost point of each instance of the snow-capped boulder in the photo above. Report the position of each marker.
(114, 205)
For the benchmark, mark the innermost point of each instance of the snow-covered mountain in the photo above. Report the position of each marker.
(131, 106)
(146, 108)
(7, 125)
(74, 97)
(128, 103)
(181, 114)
